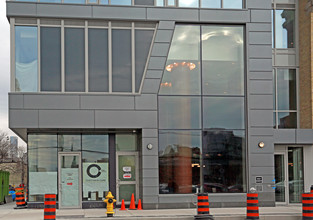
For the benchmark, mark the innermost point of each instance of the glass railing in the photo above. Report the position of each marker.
(232, 4)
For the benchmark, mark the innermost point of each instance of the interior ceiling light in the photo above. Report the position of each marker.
(166, 84)
(190, 65)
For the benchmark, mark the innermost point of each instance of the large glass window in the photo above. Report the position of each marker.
(95, 162)
(126, 142)
(121, 61)
(74, 60)
(177, 112)
(42, 166)
(285, 98)
(98, 60)
(26, 59)
(224, 161)
(50, 58)
(222, 60)
(179, 161)
(284, 28)
(182, 72)
(202, 97)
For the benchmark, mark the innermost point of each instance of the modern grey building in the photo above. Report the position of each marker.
(160, 98)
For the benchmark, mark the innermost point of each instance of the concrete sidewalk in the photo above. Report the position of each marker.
(7, 212)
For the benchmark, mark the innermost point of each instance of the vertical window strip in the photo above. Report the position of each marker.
(86, 58)
(62, 57)
(38, 58)
(133, 57)
(110, 55)
(12, 50)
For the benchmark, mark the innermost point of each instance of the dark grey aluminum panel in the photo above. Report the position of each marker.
(174, 14)
(261, 75)
(111, 12)
(255, 4)
(64, 10)
(16, 101)
(107, 102)
(283, 136)
(255, 140)
(224, 16)
(46, 101)
(146, 102)
(23, 118)
(261, 102)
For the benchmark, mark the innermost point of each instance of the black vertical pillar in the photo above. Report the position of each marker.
(112, 164)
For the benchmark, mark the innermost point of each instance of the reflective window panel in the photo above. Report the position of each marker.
(69, 143)
(224, 161)
(98, 60)
(287, 120)
(223, 113)
(280, 178)
(222, 60)
(50, 58)
(26, 59)
(188, 3)
(211, 4)
(284, 28)
(143, 40)
(286, 89)
(182, 73)
(42, 165)
(179, 161)
(95, 164)
(51, 1)
(232, 4)
(75, 1)
(144, 2)
(126, 142)
(74, 60)
(295, 174)
(177, 112)
(121, 61)
(121, 2)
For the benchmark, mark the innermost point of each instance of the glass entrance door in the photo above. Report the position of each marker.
(127, 176)
(70, 180)
(289, 175)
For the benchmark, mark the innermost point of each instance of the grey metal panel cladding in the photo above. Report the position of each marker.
(18, 9)
(283, 136)
(164, 36)
(151, 86)
(107, 102)
(260, 64)
(150, 133)
(46, 101)
(262, 170)
(148, 173)
(261, 102)
(150, 162)
(253, 145)
(304, 136)
(260, 75)
(160, 49)
(259, 27)
(23, 119)
(154, 151)
(260, 38)
(224, 15)
(176, 14)
(167, 25)
(125, 119)
(150, 199)
(150, 191)
(261, 160)
(154, 74)
(150, 181)
(119, 12)
(66, 119)
(261, 118)
(16, 101)
(63, 10)
(261, 87)
(146, 102)
(261, 16)
(264, 4)
(260, 51)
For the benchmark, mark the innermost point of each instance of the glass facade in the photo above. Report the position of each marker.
(89, 58)
(285, 98)
(43, 163)
(284, 28)
(202, 111)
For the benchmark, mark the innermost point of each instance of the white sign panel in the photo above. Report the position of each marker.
(95, 178)
(127, 169)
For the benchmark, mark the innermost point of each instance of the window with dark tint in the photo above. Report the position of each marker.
(50, 60)
(179, 161)
(74, 60)
(286, 89)
(287, 119)
(144, 2)
(121, 61)
(98, 60)
(177, 112)
(223, 112)
(224, 161)
(284, 28)
(143, 40)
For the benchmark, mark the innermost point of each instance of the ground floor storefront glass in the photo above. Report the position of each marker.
(76, 167)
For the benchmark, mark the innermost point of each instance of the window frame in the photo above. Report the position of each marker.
(85, 25)
(275, 93)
